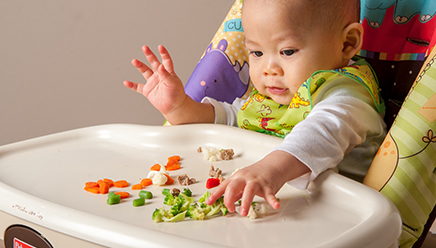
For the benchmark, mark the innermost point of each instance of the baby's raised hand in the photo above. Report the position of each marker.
(163, 89)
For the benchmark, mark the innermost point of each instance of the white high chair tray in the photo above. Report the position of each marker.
(42, 181)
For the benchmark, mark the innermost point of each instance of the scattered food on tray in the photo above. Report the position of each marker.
(217, 173)
(155, 167)
(173, 163)
(113, 198)
(257, 210)
(102, 186)
(185, 180)
(137, 186)
(212, 182)
(161, 177)
(213, 154)
(139, 202)
(121, 184)
(123, 194)
(184, 206)
(175, 192)
(214, 172)
(227, 154)
(146, 181)
(145, 194)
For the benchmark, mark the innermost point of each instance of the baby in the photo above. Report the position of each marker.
(309, 89)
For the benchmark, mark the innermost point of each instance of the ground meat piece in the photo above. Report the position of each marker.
(227, 154)
(175, 192)
(221, 178)
(214, 172)
(185, 180)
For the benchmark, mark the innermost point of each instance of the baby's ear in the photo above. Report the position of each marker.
(352, 38)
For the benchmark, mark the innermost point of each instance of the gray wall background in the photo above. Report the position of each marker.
(62, 63)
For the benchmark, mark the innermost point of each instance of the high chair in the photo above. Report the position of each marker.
(398, 42)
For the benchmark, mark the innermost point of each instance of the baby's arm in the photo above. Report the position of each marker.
(343, 120)
(165, 90)
(263, 178)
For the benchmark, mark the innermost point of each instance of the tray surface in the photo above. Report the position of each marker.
(42, 180)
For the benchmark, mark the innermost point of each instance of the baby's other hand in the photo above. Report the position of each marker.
(163, 89)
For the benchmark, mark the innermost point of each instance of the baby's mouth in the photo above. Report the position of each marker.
(277, 90)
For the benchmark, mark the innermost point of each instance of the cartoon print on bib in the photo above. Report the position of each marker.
(262, 114)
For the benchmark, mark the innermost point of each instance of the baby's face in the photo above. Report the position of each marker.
(284, 50)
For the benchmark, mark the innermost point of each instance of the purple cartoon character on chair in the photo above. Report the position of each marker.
(215, 76)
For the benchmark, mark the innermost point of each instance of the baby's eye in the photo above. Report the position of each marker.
(256, 53)
(288, 52)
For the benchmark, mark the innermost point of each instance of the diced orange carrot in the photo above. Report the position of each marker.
(146, 181)
(137, 186)
(170, 180)
(172, 161)
(172, 167)
(104, 187)
(109, 181)
(123, 194)
(175, 157)
(91, 184)
(121, 184)
(155, 167)
(95, 190)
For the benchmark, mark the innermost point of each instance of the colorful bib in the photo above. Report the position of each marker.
(260, 113)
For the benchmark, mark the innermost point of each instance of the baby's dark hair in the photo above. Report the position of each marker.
(333, 13)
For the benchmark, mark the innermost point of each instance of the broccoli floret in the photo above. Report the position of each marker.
(217, 207)
(224, 210)
(187, 192)
(160, 214)
(184, 205)
(178, 217)
(204, 197)
(195, 212)
(175, 209)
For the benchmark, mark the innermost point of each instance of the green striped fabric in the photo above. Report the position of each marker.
(412, 187)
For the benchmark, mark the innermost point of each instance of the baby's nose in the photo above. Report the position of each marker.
(272, 69)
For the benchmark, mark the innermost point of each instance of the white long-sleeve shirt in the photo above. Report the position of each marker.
(343, 129)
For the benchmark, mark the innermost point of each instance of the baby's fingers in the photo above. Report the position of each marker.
(151, 57)
(272, 200)
(166, 59)
(247, 198)
(142, 68)
(134, 86)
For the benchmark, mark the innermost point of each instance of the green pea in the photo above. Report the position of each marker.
(145, 194)
(138, 202)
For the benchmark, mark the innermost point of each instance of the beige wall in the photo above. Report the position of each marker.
(62, 63)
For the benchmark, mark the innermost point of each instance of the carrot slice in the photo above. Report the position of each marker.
(175, 157)
(137, 186)
(95, 190)
(146, 181)
(91, 184)
(155, 167)
(123, 194)
(121, 184)
(170, 180)
(172, 167)
(104, 187)
(109, 181)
